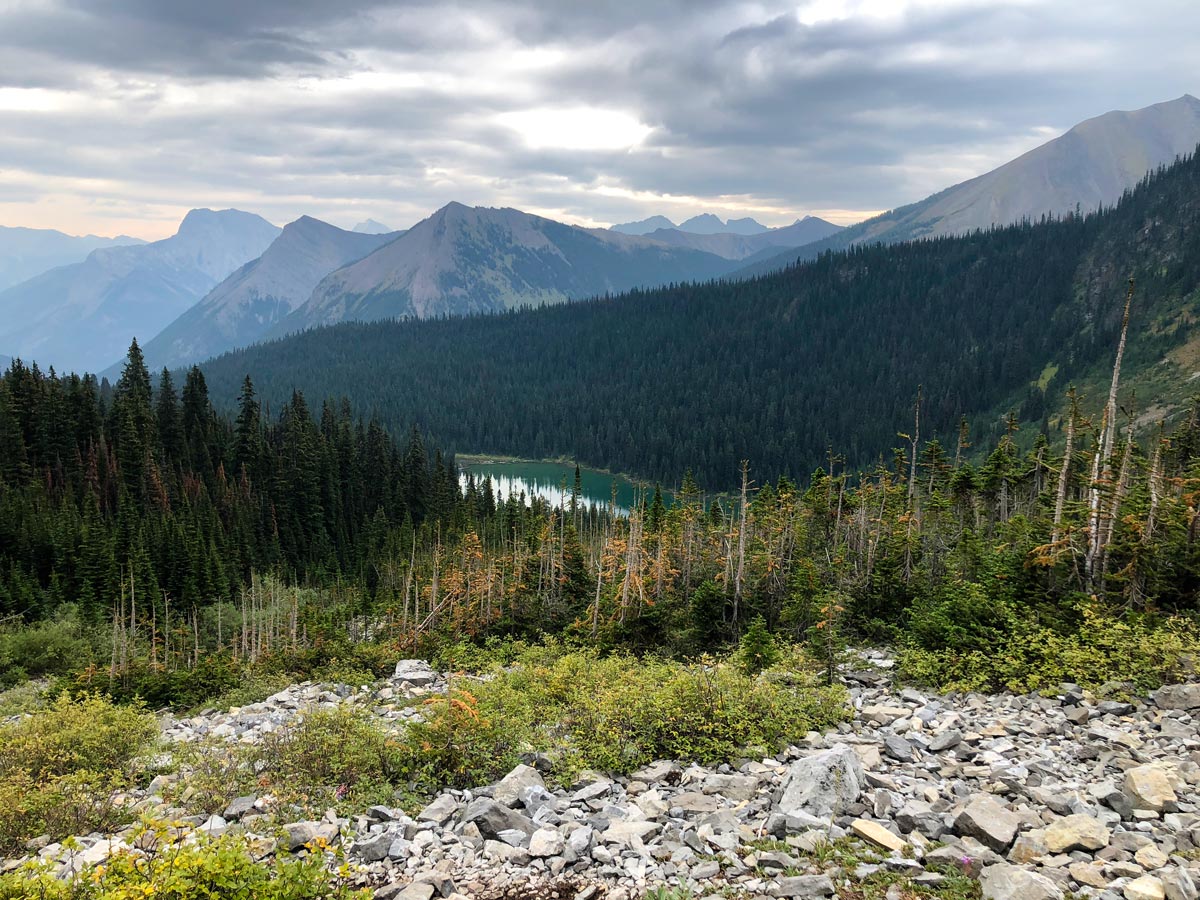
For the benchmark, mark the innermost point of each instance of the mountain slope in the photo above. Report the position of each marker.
(27, 252)
(1088, 167)
(83, 316)
(244, 306)
(778, 369)
(471, 260)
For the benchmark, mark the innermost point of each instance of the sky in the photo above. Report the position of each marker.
(118, 117)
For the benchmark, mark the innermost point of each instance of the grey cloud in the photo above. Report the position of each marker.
(851, 114)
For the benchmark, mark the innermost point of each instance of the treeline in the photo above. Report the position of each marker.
(139, 495)
(781, 368)
(153, 518)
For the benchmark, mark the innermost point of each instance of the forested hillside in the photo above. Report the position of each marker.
(151, 498)
(779, 369)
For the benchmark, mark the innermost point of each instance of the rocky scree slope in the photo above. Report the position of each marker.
(1036, 797)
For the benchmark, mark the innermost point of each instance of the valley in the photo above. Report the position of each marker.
(759, 460)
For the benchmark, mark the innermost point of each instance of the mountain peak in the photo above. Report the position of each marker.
(371, 226)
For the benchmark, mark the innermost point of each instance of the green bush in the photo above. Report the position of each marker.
(60, 766)
(42, 650)
(1102, 648)
(614, 713)
(172, 870)
(330, 757)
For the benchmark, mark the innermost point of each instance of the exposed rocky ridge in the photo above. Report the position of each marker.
(1035, 796)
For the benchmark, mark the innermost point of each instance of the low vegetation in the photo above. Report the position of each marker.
(60, 766)
(166, 868)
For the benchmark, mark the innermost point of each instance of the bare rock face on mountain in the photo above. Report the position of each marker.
(244, 306)
(1090, 166)
(83, 316)
(470, 260)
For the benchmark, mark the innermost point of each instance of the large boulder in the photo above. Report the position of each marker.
(1147, 787)
(822, 785)
(491, 818)
(510, 788)
(416, 672)
(1077, 832)
(1178, 696)
(1006, 882)
(990, 823)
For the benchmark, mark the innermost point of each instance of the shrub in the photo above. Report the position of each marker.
(42, 650)
(330, 757)
(60, 766)
(614, 713)
(73, 734)
(172, 870)
(1103, 648)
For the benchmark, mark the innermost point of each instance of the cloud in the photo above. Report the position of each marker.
(120, 116)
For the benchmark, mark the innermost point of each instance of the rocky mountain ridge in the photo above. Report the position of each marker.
(1034, 796)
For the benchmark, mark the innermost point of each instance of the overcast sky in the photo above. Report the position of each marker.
(119, 116)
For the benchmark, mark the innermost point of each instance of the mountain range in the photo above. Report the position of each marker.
(206, 289)
(465, 260)
(777, 369)
(26, 252)
(1088, 167)
(705, 223)
(82, 316)
(244, 307)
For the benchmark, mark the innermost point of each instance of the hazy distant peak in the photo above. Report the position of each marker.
(644, 226)
(370, 226)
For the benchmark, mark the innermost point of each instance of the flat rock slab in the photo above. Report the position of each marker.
(877, 834)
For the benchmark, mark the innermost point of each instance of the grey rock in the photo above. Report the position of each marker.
(297, 834)
(1006, 882)
(822, 785)
(803, 886)
(416, 672)
(1178, 884)
(508, 789)
(491, 818)
(1178, 696)
(990, 823)
(374, 847)
(439, 810)
(945, 740)
(546, 842)
(898, 748)
(239, 807)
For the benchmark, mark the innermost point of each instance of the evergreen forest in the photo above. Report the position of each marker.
(780, 369)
